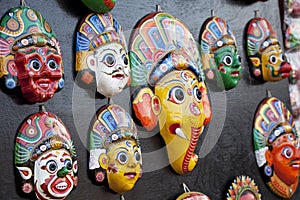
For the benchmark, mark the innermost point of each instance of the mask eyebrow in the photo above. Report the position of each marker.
(106, 49)
(120, 149)
(172, 81)
(122, 49)
(49, 155)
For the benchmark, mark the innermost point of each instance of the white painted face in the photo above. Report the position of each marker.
(111, 66)
(54, 175)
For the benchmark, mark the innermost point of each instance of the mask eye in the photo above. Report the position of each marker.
(109, 60)
(68, 164)
(177, 95)
(282, 56)
(122, 157)
(272, 59)
(197, 94)
(227, 60)
(287, 152)
(51, 166)
(52, 64)
(35, 64)
(125, 59)
(137, 155)
(239, 58)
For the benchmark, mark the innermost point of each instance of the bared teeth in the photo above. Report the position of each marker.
(61, 186)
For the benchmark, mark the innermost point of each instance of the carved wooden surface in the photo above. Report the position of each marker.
(226, 146)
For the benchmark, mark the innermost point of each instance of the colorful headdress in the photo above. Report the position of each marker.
(241, 186)
(154, 37)
(216, 34)
(260, 36)
(41, 132)
(272, 119)
(112, 124)
(22, 27)
(96, 30)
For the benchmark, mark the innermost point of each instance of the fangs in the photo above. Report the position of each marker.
(180, 133)
(61, 186)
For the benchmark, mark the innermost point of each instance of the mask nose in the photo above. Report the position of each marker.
(62, 172)
(132, 164)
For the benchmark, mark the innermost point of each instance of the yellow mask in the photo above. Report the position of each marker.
(181, 118)
(122, 163)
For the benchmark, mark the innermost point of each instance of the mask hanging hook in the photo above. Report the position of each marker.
(22, 2)
(42, 108)
(185, 187)
(122, 197)
(212, 12)
(256, 13)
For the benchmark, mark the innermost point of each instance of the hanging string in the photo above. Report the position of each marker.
(157, 3)
(158, 8)
(185, 188)
(122, 197)
(256, 13)
(22, 2)
(42, 108)
(268, 93)
(212, 12)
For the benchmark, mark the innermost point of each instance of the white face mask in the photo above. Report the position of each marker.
(54, 174)
(111, 66)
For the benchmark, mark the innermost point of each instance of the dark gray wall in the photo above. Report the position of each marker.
(226, 145)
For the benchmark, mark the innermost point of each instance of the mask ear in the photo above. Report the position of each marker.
(269, 157)
(206, 103)
(103, 161)
(25, 172)
(146, 107)
(91, 62)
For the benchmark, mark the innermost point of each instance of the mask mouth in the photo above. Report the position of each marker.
(61, 186)
(295, 164)
(130, 175)
(43, 83)
(118, 76)
(285, 69)
(235, 73)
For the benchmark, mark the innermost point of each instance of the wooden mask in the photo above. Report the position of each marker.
(266, 59)
(276, 147)
(218, 49)
(115, 153)
(168, 87)
(101, 54)
(45, 157)
(30, 56)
